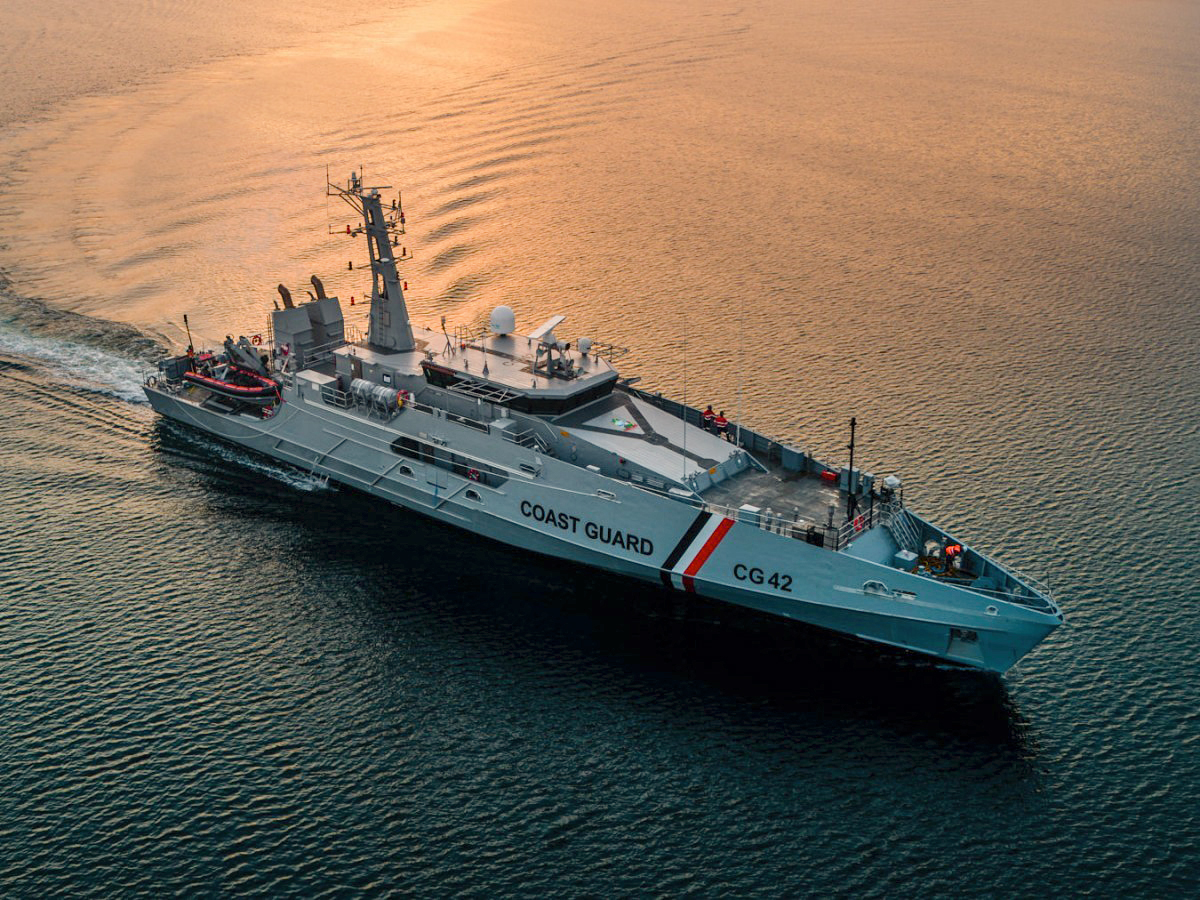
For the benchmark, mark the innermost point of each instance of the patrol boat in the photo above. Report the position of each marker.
(540, 443)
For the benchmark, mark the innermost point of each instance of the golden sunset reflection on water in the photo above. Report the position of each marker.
(830, 189)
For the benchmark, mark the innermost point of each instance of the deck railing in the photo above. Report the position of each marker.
(477, 424)
(528, 438)
(795, 527)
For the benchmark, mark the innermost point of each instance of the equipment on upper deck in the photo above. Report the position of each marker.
(503, 321)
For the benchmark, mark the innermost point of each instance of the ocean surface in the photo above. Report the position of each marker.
(973, 226)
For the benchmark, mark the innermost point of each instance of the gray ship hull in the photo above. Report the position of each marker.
(557, 508)
(536, 442)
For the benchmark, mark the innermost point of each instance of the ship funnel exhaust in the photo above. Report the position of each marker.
(287, 297)
(318, 287)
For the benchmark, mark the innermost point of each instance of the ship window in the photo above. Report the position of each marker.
(875, 587)
(557, 406)
(439, 376)
(443, 458)
(606, 495)
(472, 494)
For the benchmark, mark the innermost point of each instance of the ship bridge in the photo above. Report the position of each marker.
(534, 373)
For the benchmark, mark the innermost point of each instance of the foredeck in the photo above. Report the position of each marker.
(801, 497)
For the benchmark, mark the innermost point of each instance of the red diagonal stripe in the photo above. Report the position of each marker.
(705, 552)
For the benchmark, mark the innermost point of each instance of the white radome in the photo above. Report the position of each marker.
(503, 320)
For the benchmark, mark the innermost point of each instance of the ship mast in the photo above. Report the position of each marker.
(389, 328)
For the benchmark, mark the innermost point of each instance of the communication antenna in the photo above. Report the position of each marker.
(741, 363)
(851, 500)
(683, 409)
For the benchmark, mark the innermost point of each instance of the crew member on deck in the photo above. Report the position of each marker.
(722, 425)
(953, 556)
(707, 419)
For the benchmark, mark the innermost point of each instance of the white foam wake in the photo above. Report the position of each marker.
(110, 374)
(78, 365)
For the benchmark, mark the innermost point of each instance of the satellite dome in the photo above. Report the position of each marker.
(585, 344)
(503, 320)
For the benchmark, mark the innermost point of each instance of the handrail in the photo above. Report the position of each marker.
(859, 525)
(1037, 601)
(319, 353)
(477, 424)
(1032, 583)
(794, 527)
(526, 438)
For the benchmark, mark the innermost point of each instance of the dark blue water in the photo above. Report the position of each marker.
(221, 677)
(973, 228)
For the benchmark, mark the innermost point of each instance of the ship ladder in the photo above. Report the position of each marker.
(902, 528)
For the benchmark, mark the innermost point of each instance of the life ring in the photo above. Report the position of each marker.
(473, 474)
(256, 340)
(859, 522)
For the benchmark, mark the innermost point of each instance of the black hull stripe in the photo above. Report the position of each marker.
(684, 543)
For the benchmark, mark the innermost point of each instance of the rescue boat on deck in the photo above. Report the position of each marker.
(236, 383)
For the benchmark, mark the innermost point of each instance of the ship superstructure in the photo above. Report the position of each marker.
(540, 443)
